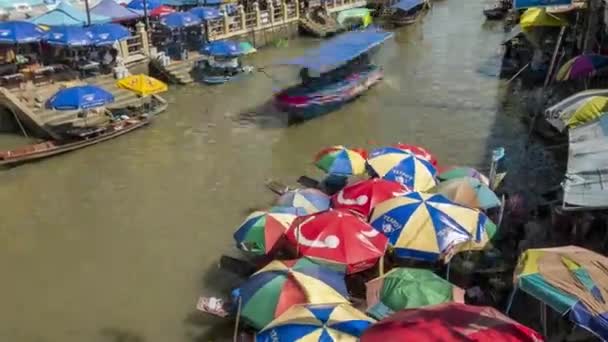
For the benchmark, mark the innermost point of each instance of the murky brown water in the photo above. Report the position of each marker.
(115, 242)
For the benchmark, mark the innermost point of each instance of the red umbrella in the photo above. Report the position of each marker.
(419, 151)
(450, 322)
(362, 196)
(161, 11)
(339, 237)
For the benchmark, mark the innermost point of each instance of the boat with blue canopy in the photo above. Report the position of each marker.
(405, 12)
(338, 71)
(221, 61)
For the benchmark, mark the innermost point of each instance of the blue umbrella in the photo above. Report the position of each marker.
(139, 4)
(107, 34)
(72, 36)
(308, 200)
(79, 97)
(179, 20)
(206, 13)
(14, 32)
(222, 48)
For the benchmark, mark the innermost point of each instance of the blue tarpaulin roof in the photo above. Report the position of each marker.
(180, 2)
(113, 10)
(339, 50)
(407, 5)
(66, 14)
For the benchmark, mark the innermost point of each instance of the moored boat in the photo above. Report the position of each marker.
(343, 70)
(222, 61)
(406, 12)
(497, 10)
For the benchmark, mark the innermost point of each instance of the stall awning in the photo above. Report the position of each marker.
(340, 50)
(111, 9)
(407, 5)
(66, 14)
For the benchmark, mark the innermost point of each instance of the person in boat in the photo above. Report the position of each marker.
(305, 76)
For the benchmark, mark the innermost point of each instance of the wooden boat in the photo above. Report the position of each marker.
(498, 10)
(78, 138)
(345, 73)
(219, 75)
(222, 61)
(407, 12)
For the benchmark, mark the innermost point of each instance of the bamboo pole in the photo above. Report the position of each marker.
(236, 323)
(518, 73)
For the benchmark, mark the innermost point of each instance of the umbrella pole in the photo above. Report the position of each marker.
(236, 323)
(381, 266)
(543, 317)
(447, 271)
(511, 297)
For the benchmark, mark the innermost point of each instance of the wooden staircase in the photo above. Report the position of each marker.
(178, 72)
(319, 23)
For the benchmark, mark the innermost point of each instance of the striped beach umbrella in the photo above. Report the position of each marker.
(397, 165)
(418, 151)
(308, 199)
(317, 323)
(462, 172)
(425, 226)
(261, 230)
(339, 160)
(274, 289)
(468, 191)
(362, 196)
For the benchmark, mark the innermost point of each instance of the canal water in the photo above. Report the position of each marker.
(116, 242)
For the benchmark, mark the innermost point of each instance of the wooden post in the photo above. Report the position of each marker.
(143, 36)
(241, 10)
(297, 9)
(226, 23)
(271, 11)
(285, 10)
(256, 9)
(592, 21)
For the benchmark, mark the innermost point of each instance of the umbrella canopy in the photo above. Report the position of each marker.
(321, 322)
(247, 48)
(179, 20)
(108, 34)
(19, 32)
(72, 36)
(364, 15)
(461, 172)
(142, 85)
(590, 109)
(538, 17)
(261, 230)
(397, 165)
(581, 66)
(308, 200)
(362, 196)
(161, 11)
(408, 288)
(274, 289)
(79, 97)
(567, 279)
(424, 226)
(484, 233)
(139, 4)
(338, 237)
(469, 192)
(339, 160)
(450, 322)
(111, 9)
(66, 14)
(206, 13)
(222, 48)
(418, 151)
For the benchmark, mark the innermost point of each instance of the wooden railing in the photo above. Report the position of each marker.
(340, 5)
(244, 22)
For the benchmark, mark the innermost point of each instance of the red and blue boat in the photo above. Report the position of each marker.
(343, 71)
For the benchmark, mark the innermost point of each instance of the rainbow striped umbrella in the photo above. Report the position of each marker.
(425, 226)
(308, 200)
(312, 323)
(261, 230)
(282, 284)
(339, 160)
(397, 165)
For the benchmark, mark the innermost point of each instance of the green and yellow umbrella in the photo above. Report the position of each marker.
(538, 17)
(339, 160)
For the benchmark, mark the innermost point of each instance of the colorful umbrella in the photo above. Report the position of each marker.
(261, 230)
(425, 226)
(418, 151)
(581, 66)
(339, 160)
(461, 172)
(338, 237)
(79, 97)
(469, 192)
(362, 196)
(161, 11)
(142, 85)
(281, 284)
(206, 13)
(538, 17)
(397, 165)
(71, 36)
(19, 32)
(484, 233)
(321, 322)
(408, 288)
(567, 279)
(222, 48)
(180, 20)
(139, 4)
(247, 48)
(450, 322)
(590, 109)
(309, 200)
(108, 34)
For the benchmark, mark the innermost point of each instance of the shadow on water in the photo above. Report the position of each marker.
(121, 335)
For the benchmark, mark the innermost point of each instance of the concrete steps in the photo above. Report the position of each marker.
(179, 71)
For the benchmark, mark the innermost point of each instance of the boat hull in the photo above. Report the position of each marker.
(328, 98)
